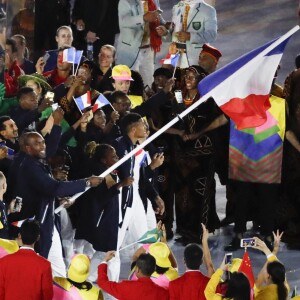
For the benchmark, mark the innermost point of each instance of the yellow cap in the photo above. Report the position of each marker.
(79, 268)
(121, 72)
(160, 252)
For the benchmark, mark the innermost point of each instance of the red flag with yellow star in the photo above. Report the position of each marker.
(246, 268)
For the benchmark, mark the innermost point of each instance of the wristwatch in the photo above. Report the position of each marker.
(87, 183)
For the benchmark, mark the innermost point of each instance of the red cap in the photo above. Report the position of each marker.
(212, 51)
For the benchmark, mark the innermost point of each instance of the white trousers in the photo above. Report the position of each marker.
(55, 256)
(144, 64)
(67, 235)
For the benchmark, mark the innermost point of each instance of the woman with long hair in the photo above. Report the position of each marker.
(238, 286)
(271, 281)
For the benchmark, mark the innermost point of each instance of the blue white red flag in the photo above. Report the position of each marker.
(100, 102)
(242, 88)
(83, 101)
(69, 55)
(171, 59)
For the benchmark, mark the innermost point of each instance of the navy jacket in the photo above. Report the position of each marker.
(38, 189)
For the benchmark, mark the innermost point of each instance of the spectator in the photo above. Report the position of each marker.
(57, 75)
(192, 283)
(46, 26)
(166, 265)
(76, 281)
(138, 40)
(106, 61)
(9, 132)
(22, 57)
(143, 288)
(12, 68)
(28, 112)
(37, 82)
(271, 281)
(238, 286)
(4, 212)
(24, 274)
(209, 58)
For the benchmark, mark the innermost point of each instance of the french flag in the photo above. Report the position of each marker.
(100, 102)
(83, 101)
(69, 55)
(242, 88)
(171, 59)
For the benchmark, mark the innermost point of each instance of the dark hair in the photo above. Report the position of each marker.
(163, 72)
(146, 263)
(2, 120)
(199, 71)
(160, 270)
(114, 96)
(193, 255)
(13, 45)
(297, 61)
(96, 151)
(81, 285)
(277, 272)
(128, 121)
(30, 231)
(238, 287)
(24, 91)
(137, 85)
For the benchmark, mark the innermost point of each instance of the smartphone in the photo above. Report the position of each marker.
(49, 95)
(228, 258)
(18, 204)
(249, 242)
(46, 57)
(178, 96)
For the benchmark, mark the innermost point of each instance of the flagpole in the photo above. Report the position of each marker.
(179, 117)
(78, 64)
(148, 140)
(142, 240)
